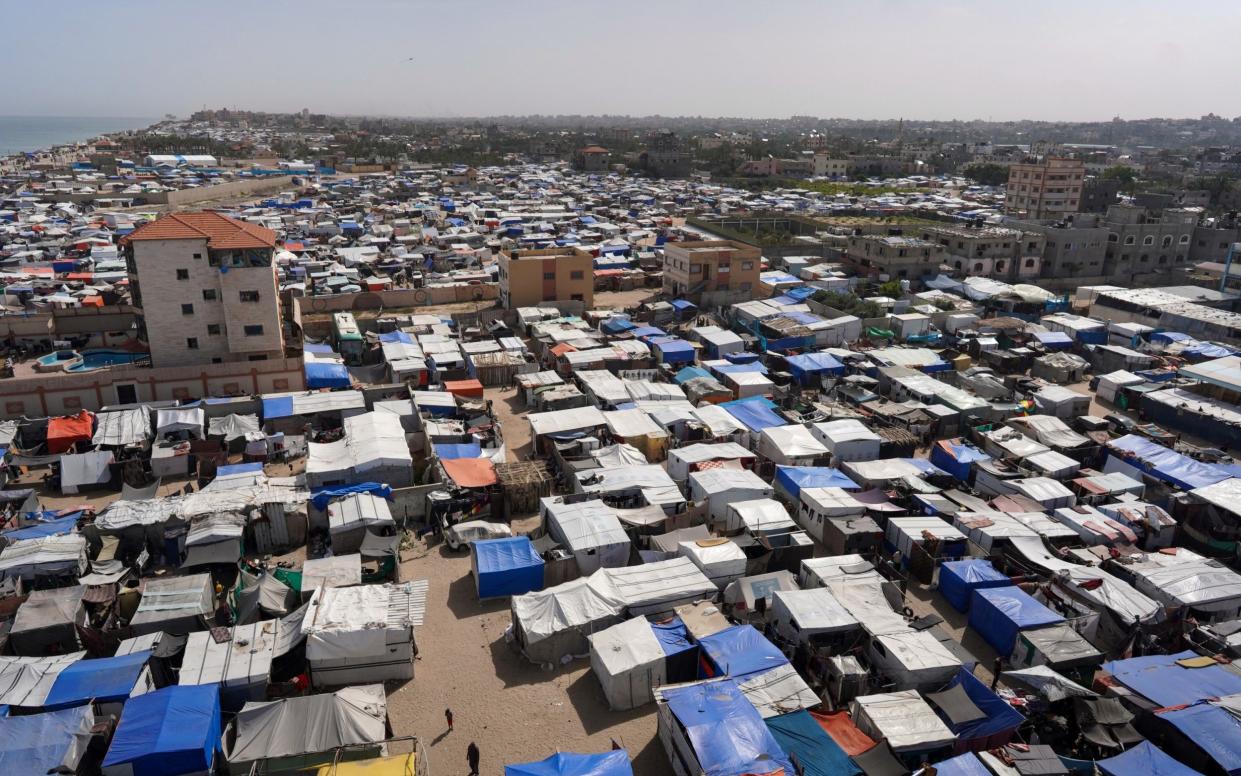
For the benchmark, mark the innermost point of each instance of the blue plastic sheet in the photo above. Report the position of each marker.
(799, 735)
(648, 331)
(999, 614)
(740, 651)
(39, 743)
(1001, 718)
(239, 468)
(321, 497)
(673, 350)
(1160, 679)
(323, 374)
(725, 730)
(397, 336)
(754, 415)
(1168, 465)
(959, 579)
(102, 679)
(793, 478)
(966, 764)
(673, 636)
(1144, 760)
(278, 407)
(617, 325)
(42, 530)
(613, 763)
(690, 373)
(956, 457)
(810, 364)
(450, 451)
(682, 305)
(507, 566)
(168, 732)
(1054, 339)
(1214, 730)
(739, 366)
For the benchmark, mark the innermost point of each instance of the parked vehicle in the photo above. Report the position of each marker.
(459, 536)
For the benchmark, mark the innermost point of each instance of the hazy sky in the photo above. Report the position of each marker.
(1047, 59)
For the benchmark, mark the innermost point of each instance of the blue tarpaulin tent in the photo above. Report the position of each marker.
(44, 529)
(1168, 465)
(1000, 613)
(1216, 731)
(809, 366)
(725, 730)
(680, 654)
(100, 680)
(956, 457)
(1165, 683)
(277, 407)
(1054, 340)
(648, 331)
(237, 469)
(45, 743)
(801, 736)
(168, 732)
(742, 357)
(1144, 760)
(966, 764)
(325, 374)
(740, 366)
(508, 566)
(754, 413)
(793, 478)
(321, 497)
(397, 336)
(617, 325)
(450, 451)
(994, 729)
(690, 373)
(613, 763)
(681, 305)
(740, 651)
(958, 579)
(673, 350)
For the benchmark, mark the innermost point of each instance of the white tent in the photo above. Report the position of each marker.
(628, 661)
(847, 439)
(913, 660)
(904, 719)
(233, 426)
(588, 529)
(351, 517)
(174, 605)
(720, 560)
(790, 445)
(332, 571)
(680, 459)
(51, 555)
(655, 588)
(805, 615)
(362, 634)
(554, 623)
(758, 517)
(720, 487)
(122, 427)
(241, 665)
(374, 449)
(85, 470)
(175, 419)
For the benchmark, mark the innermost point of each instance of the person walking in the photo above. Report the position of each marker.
(448, 718)
(471, 757)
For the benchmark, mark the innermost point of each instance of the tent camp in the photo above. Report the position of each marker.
(629, 661)
(174, 605)
(374, 449)
(105, 682)
(720, 560)
(505, 567)
(660, 587)
(295, 733)
(174, 730)
(906, 721)
(47, 622)
(185, 421)
(1145, 759)
(363, 634)
(741, 651)
(714, 729)
(811, 617)
(239, 667)
(589, 530)
(999, 614)
(720, 487)
(122, 427)
(801, 735)
(350, 518)
(978, 717)
(613, 763)
(53, 742)
(550, 624)
(959, 579)
(51, 556)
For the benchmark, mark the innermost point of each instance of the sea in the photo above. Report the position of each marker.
(34, 133)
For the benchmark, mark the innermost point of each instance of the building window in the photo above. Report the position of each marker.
(549, 275)
(254, 330)
(1113, 237)
(260, 357)
(280, 384)
(1184, 239)
(1029, 263)
(978, 266)
(576, 274)
(198, 255)
(217, 360)
(746, 265)
(1129, 239)
(213, 260)
(213, 328)
(187, 309)
(183, 274)
(744, 287)
(208, 294)
(248, 296)
(191, 343)
(1148, 239)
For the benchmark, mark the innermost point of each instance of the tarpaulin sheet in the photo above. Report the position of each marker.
(1000, 717)
(278, 407)
(1153, 458)
(57, 527)
(45, 743)
(848, 736)
(727, 734)
(168, 732)
(63, 433)
(451, 451)
(998, 614)
(754, 415)
(966, 764)
(673, 349)
(691, 373)
(1216, 731)
(613, 763)
(324, 374)
(470, 472)
(102, 679)
(955, 457)
(1160, 679)
(739, 367)
(741, 650)
(507, 566)
(396, 336)
(1144, 760)
(237, 469)
(794, 478)
(673, 636)
(814, 363)
(959, 579)
(799, 734)
(323, 496)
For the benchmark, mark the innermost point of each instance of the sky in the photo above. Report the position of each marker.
(874, 59)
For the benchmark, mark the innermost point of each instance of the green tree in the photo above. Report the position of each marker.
(987, 174)
(1127, 176)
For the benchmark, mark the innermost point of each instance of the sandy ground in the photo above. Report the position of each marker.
(514, 710)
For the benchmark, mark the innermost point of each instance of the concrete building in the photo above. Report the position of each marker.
(896, 257)
(591, 159)
(989, 251)
(827, 166)
(529, 277)
(665, 157)
(206, 288)
(1141, 240)
(1051, 188)
(711, 269)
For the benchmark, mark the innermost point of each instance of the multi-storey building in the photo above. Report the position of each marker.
(711, 269)
(206, 288)
(528, 277)
(1048, 189)
(989, 251)
(897, 257)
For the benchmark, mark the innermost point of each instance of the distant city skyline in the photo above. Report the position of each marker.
(1051, 61)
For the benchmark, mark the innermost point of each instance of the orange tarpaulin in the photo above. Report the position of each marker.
(470, 472)
(472, 388)
(562, 348)
(62, 433)
(839, 726)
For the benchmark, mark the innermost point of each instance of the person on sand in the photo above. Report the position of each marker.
(448, 718)
(471, 757)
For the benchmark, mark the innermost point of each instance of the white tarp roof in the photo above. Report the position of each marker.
(346, 622)
(762, 514)
(122, 427)
(790, 442)
(903, 718)
(564, 421)
(579, 602)
(618, 455)
(1185, 578)
(1105, 590)
(1225, 494)
(657, 587)
(699, 451)
(778, 691)
(26, 681)
(84, 469)
(233, 426)
(631, 423)
(332, 571)
(624, 647)
(816, 610)
(308, 724)
(180, 419)
(358, 510)
(372, 441)
(847, 430)
(49, 555)
(585, 525)
(712, 481)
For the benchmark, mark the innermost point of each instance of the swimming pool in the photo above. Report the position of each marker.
(86, 360)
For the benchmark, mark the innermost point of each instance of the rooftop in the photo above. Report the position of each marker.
(221, 232)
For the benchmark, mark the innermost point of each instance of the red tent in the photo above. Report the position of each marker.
(63, 433)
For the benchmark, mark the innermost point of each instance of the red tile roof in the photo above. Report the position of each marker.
(220, 231)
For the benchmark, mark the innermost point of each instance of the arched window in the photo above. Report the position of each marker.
(1148, 239)
(1184, 239)
(999, 266)
(1029, 263)
(978, 266)
(1167, 241)
(1129, 239)
(1113, 237)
